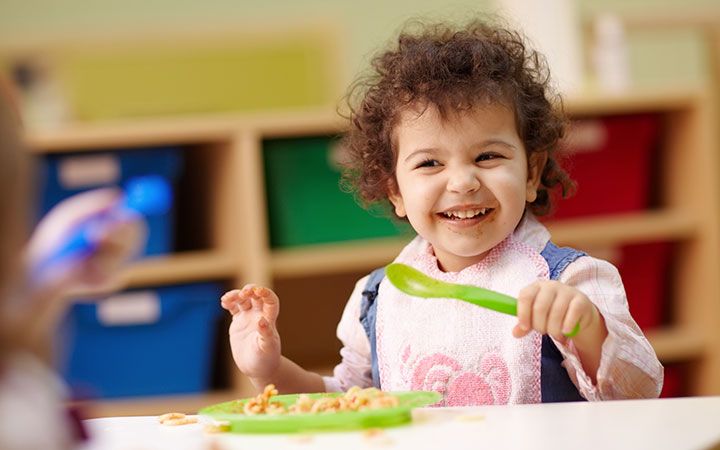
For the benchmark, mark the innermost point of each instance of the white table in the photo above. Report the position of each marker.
(677, 424)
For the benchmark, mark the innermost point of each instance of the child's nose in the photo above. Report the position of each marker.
(463, 181)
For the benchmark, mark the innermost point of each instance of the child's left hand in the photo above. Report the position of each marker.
(554, 308)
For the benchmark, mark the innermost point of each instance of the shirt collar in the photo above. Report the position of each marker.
(531, 232)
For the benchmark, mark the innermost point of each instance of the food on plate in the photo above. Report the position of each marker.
(355, 399)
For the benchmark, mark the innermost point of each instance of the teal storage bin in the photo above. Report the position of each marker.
(305, 202)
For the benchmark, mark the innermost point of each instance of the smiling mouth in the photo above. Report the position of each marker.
(466, 214)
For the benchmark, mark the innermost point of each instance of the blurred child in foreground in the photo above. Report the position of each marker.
(31, 395)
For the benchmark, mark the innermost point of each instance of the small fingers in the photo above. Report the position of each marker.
(254, 297)
(557, 313)
(236, 301)
(228, 295)
(580, 311)
(226, 303)
(526, 298)
(266, 301)
(541, 308)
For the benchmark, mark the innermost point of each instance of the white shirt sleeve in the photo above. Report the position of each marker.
(629, 367)
(355, 367)
(31, 406)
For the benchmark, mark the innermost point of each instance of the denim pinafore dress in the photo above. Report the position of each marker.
(555, 383)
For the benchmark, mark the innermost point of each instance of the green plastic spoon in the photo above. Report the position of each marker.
(413, 282)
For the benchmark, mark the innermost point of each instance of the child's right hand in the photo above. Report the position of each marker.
(254, 340)
(42, 302)
(116, 243)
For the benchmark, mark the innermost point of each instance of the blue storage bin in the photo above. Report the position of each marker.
(143, 342)
(71, 173)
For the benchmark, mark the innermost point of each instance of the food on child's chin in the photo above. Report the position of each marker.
(355, 399)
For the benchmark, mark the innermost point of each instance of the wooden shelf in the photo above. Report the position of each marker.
(634, 101)
(233, 180)
(676, 344)
(646, 226)
(335, 257)
(181, 130)
(88, 136)
(181, 268)
(293, 123)
(189, 130)
(585, 232)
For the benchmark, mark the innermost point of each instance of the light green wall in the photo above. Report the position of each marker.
(660, 57)
(657, 58)
(367, 23)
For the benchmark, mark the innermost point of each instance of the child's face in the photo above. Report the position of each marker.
(463, 182)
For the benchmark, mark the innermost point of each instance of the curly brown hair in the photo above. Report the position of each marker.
(455, 70)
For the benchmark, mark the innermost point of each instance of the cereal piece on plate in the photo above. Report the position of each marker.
(170, 416)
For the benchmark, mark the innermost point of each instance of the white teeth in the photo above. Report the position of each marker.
(465, 214)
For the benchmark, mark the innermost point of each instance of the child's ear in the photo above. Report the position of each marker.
(536, 165)
(395, 197)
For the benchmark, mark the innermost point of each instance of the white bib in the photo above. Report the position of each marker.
(462, 351)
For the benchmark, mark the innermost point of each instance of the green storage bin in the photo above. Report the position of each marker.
(305, 202)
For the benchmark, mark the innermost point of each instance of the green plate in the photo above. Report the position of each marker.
(351, 420)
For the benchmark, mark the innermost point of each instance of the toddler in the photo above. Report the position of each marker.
(31, 395)
(456, 128)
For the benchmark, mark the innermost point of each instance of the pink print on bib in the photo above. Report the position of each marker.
(441, 373)
(464, 352)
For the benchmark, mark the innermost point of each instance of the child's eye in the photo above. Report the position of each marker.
(428, 163)
(486, 157)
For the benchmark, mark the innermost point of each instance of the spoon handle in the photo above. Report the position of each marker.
(493, 300)
(485, 298)
(415, 283)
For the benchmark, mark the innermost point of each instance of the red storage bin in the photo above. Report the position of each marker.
(644, 268)
(610, 159)
(674, 384)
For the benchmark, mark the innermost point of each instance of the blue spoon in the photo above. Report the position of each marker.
(144, 196)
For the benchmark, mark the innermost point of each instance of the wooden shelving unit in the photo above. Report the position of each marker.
(231, 174)
(181, 268)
